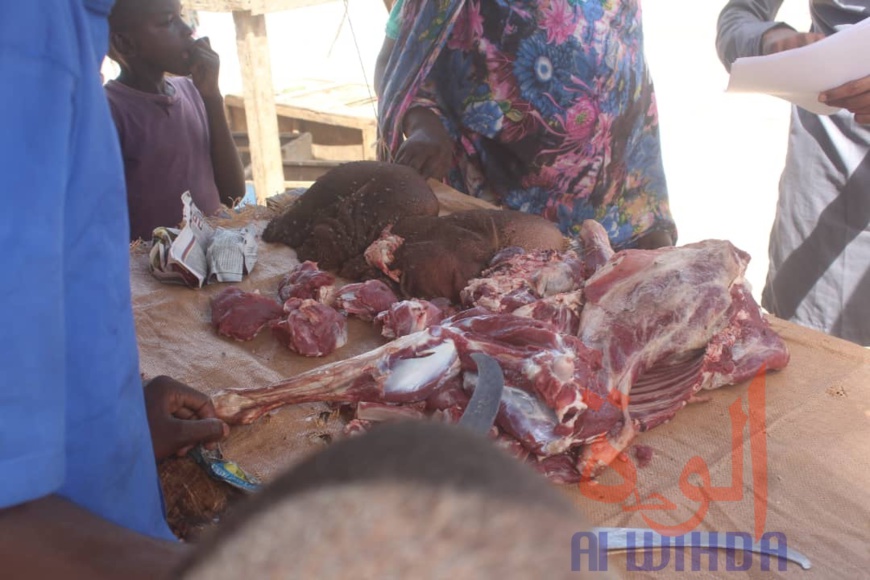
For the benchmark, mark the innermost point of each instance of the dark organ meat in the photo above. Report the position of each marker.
(310, 328)
(307, 281)
(655, 327)
(365, 300)
(241, 315)
(409, 316)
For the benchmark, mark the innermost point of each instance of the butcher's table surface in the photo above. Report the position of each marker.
(816, 411)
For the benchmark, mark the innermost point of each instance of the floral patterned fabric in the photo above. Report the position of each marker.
(549, 102)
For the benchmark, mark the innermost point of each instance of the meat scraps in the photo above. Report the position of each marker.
(365, 300)
(655, 327)
(409, 316)
(241, 315)
(310, 328)
(307, 281)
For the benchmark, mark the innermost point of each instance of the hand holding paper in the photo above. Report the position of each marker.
(800, 75)
(854, 96)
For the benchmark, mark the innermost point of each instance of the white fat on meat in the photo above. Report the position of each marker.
(414, 374)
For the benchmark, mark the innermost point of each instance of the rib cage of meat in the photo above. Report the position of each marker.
(655, 327)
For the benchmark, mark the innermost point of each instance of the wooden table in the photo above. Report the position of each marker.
(815, 428)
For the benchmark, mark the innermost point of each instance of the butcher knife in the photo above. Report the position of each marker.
(480, 413)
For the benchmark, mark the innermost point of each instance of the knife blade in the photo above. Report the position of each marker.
(480, 413)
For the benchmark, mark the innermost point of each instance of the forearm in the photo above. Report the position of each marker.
(740, 27)
(53, 538)
(229, 175)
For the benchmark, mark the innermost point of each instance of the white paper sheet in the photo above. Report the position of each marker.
(799, 75)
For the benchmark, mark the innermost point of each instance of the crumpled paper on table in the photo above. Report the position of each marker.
(200, 254)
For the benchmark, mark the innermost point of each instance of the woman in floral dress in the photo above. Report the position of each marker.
(543, 106)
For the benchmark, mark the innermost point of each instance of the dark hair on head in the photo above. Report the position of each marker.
(420, 455)
(125, 12)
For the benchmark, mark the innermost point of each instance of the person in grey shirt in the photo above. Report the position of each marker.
(819, 273)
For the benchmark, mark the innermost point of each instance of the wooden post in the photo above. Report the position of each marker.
(262, 119)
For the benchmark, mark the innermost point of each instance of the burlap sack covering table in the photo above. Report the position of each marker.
(816, 430)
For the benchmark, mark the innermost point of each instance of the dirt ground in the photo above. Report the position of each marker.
(723, 153)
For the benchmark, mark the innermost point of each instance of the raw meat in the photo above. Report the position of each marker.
(409, 316)
(380, 412)
(656, 327)
(561, 310)
(523, 278)
(307, 281)
(310, 328)
(241, 315)
(365, 300)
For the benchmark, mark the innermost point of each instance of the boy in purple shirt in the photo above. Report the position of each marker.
(173, 131)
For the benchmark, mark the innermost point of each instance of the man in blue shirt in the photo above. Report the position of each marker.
(79, 493)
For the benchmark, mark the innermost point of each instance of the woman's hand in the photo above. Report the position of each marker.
(784, 38)
(428, 147)
(853, 96)
(180, 417)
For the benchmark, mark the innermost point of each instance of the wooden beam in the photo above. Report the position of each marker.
(262, 119)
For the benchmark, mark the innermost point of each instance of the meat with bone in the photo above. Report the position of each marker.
(658, 325)
(659, 309)
(310, 328)
(409, 316)
(407, 369)
(242, 315)
(524, 278)
(307, 281)
(561, 310)
(365, 300)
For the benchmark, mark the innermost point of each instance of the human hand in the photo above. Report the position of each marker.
(853, 96)
(205, 67)
(180, 417)
(784, 38)
(428, 147)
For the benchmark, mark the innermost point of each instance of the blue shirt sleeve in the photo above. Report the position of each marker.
(37, 103)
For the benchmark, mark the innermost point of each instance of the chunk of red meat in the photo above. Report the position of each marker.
(311, 328)
(407, 317)
(241, 315)
(365, 300)
(307, 281)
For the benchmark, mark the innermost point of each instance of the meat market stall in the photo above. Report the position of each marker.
(787, 454)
